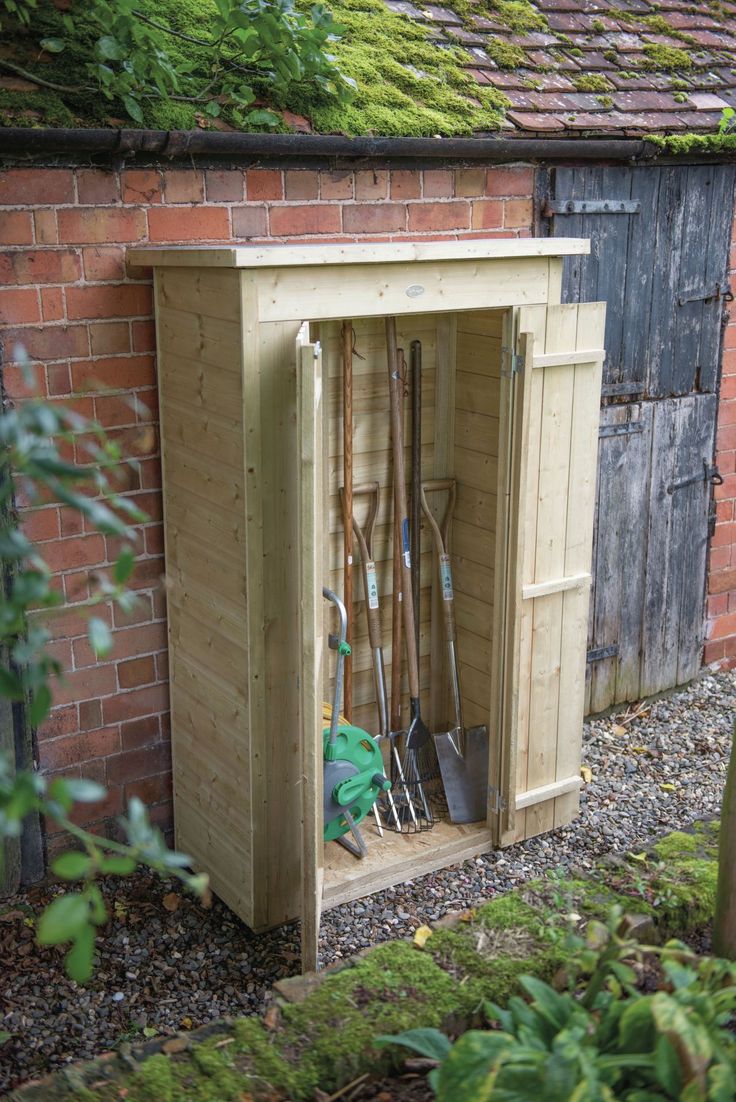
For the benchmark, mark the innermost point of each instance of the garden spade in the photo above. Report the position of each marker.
(462, 752)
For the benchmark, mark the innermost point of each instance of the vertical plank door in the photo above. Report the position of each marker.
(555, 384)
(311, 521)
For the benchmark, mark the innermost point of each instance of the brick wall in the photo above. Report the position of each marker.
(66, 296)
(721, 610)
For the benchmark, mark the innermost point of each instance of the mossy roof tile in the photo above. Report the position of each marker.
(467, 55)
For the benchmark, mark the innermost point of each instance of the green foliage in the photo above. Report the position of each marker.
(600, 1041)
(134, 54)
(35, 438)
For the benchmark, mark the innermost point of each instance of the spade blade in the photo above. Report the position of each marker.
(465, 779)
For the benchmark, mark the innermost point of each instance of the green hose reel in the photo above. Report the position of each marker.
(353, 779)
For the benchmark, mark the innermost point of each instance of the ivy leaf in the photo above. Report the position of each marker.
(110, 49)
(133, 108)
(212, 109)
(100, 637)
(118, 866)
(40, 705)
(71, 866)
(78, 960)
(64, 919)
(126, 560)
(262, 118)
(53, 45)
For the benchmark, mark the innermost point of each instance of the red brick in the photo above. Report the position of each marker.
(19, 307)
(100, 811)
(16, 228)
(141, 613)
(135, 765)
(724, 510)
(110, 301)
(139, 732)
(225, 185)
(726, 437)
(729, 363)
(60, 753)
(510, 181)
(301, 184)
(41, 524)
(151, 790)
(713, 652)
(371, 184)
(90, 714)
(374, 217)
(28, 381)
(51, 342)
(144, 336)
(162, 666)
(76, 586)
(336, 185)
(726, 412)
(263, 183)
(487, 214)
(439, 216)
(98, 681)
(193, 224)
(52, 303)
(729, 336)
(61, 721)
(145, 638)
(82, 551)
(88, 225)
(137, 702)
(470, 182)
(406, 184)
(104, 262)
(721, 581)
(113, 373)
(96, 187)
(183, 185)
(517, 212)
(141, 186)
(47, 231)
(23, 187)
(58, 380)
(40, 266)
(250, 222)
(154, 539)
(72, 522)
(106, 337)
(136, 672)
(303, 220)
(438, 183)
(717, 605)
(723, 626)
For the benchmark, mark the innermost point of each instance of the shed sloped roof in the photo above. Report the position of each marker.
(592, 66)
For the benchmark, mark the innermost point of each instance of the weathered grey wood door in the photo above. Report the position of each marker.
(659, 258)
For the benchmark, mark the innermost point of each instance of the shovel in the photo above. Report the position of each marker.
(462, 752)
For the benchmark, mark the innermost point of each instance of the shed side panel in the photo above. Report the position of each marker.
(199, 369)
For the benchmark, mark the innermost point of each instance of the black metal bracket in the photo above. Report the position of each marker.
(710, 475)
(591, 206)
(597, 654)
(718, 292)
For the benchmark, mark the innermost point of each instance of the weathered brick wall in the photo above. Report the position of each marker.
(66, 297)
(721, 610)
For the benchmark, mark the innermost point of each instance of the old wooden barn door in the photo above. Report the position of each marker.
(659, 258)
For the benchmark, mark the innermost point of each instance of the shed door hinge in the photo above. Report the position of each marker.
(709, 295)
(515, 363)
(709, 474)
(597, 654)
(591, 206)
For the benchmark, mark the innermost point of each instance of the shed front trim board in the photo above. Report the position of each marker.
(249, 345)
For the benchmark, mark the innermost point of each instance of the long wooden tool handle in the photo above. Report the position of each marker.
(416, 480)
(397, 443)
(396, 602)
(347, 477)
(364, 536)
(441, 540)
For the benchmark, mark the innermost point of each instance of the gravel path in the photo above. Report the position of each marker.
(167, 964)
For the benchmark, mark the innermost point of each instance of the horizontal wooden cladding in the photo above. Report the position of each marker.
(284, 256)
(291, 294)
(216, 295)
(199, 339)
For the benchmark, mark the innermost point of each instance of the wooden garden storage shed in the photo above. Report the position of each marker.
(248, 354)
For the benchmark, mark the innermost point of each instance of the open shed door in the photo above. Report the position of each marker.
(309, 406)
(553, 400)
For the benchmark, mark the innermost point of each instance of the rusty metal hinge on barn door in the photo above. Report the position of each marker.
(717, 292)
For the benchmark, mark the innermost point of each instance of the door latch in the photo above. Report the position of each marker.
(710, 474)
(718, 292)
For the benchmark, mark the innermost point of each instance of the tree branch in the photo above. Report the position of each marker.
(40, 81)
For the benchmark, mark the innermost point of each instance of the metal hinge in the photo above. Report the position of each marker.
(597, 654)
(515, 361)
(496, 802)
(591, 206)
(625, 429)
(718, 292)
(710, 474)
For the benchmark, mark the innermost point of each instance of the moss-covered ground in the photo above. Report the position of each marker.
(327, 1037)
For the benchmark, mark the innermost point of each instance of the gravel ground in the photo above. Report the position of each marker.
(166, 964)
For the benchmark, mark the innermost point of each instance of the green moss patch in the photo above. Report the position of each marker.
(592, 82)
(666, 58)
(505, 54)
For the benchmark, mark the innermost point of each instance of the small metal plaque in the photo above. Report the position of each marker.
(414, 290)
